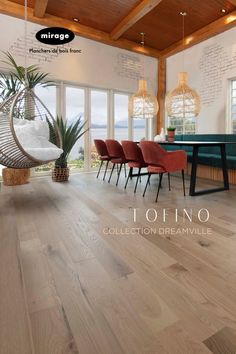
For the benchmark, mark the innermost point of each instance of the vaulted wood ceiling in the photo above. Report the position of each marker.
(121, 21)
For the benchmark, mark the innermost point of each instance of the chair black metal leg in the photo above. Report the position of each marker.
(131, 176)
(125, 170)
(104, 176)
(139, 170)
(169, 180)
(159, 180)
(148, 180)
(118, 177)
(183, 182)
(130, 172)
(111, 173)
(159, 186)
(100, 168)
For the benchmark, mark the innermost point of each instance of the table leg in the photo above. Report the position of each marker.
(224, 167)
(193, 171)
(192, 191)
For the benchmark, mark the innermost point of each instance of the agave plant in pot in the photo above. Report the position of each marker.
(70, 134)
(171, 134)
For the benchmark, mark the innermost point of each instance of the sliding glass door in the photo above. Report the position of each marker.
(98, 121)
(121, 117)
(75, 109)
(106, 114)
(48, 95)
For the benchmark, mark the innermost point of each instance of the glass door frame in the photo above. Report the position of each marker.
(61, 111)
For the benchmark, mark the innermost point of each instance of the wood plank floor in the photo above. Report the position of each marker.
(79, 275)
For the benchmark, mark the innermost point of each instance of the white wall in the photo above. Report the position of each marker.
(98, 65)
(210, 65)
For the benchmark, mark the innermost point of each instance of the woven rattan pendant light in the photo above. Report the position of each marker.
(24, 105)
(183, 101)
(143, 104)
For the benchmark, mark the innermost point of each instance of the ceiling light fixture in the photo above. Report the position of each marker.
(143, 104)
(142, 41)
(183, 102)
(75, 19)
(223, 11)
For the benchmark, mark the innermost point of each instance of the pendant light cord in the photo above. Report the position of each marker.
(183, 14)
(143, 44)
(26, 30)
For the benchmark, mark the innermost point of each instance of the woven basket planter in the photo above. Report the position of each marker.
(60, 174)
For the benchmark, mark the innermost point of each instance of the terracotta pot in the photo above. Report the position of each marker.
(15, 177)
(171, 136)
(60, 174)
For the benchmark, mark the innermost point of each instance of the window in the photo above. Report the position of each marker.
(106, 112)
(121, 116)
(183, 126)
(48, 95)
(233, 107)
(74, 108)
(99, 122)
(139, 129)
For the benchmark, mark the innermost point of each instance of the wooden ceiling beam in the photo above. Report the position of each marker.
(40, 8)
(13, 9)
(134, 16)
(204, 33)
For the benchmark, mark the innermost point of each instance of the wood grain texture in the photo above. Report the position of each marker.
(40, 7)
(119, 22)
(222, 342)
(15, 334)
(144, 7)
(218, 26)
(163, 25)
(176, 340)
(161, 94)
(16, 10)
(84, 291)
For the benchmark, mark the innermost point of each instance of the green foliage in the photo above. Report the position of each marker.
(9, 85)
(33, 75)
(69, 134)
(171, 129)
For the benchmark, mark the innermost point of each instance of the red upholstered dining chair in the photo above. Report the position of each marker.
(134, 156)
(103, 155)
(117, 155)
(161, 161)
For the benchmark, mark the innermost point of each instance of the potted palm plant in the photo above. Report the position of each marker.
(19, 77)
(171, 134)
(70, 134)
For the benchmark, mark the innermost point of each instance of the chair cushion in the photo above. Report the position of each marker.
(155, 169)
(104, 158)
(135, 164)
(119, 160)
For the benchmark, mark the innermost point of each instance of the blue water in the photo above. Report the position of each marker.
(101, 133)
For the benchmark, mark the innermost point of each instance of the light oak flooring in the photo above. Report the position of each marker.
(69, 287)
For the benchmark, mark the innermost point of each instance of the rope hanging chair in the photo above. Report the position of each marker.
(24, 105)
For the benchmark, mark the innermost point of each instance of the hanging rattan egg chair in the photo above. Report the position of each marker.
(23, 105)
